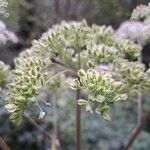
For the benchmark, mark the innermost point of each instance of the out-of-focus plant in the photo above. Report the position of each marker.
(134, 30)
(4, 74)
(6, 35)
(141, 12)
(3, 6)
(138, 30)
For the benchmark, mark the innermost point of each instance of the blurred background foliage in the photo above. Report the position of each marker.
(29, 19)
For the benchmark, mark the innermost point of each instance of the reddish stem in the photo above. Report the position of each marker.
(139, 125)
(136, 131)
(41, 130)
(78, 120)
(3, 145)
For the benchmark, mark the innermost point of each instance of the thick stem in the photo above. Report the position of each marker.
(78, 121)
(3, 145)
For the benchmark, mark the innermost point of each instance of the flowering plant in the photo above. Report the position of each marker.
(87, 55)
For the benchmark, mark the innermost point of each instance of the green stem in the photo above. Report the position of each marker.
(60, 73)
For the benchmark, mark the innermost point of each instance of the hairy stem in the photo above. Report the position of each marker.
(3, 145)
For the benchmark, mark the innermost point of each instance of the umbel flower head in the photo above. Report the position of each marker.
(77, 50)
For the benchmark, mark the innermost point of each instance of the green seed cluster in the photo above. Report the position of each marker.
(133, 75)
(65, 41)
(130, 50)
(28, 76)
(102, 88)
(103, 53)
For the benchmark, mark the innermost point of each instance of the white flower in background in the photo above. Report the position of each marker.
(2, 25)
(135, 31)
(141, 12)
(6, 35)
(3, 6)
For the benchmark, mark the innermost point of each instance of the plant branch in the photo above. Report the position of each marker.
(60, 73)
(54, 139)
(42, 131)
(3, 145)
(139, 103)
(78, 111)
(78, 120)
(140, 120)
(139, 109)
(136, 131)
(139, 125)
